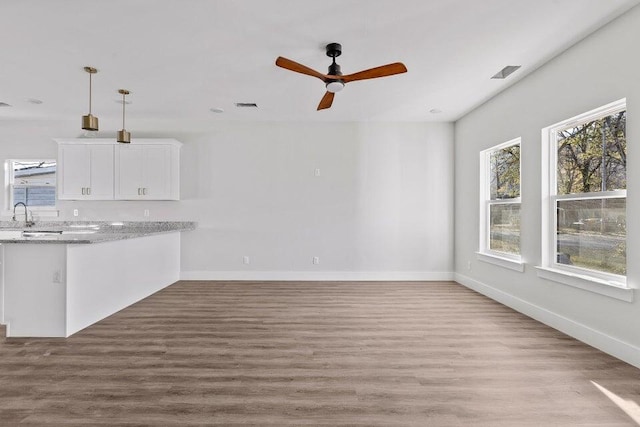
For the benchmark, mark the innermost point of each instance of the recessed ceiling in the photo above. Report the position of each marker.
(181, 57)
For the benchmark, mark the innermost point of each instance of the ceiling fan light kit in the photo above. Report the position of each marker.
(334, 80)
(90, 122)
(335, 86)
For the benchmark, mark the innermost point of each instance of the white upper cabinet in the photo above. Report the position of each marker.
(85, 172)
(145, 169)
(146, 172)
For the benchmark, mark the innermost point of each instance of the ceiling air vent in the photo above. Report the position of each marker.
(505, 72)
(4, 104)
(246, 105)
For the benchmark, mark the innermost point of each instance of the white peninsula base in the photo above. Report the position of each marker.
(55, 290)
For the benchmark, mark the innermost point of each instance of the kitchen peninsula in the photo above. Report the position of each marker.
(60, 277)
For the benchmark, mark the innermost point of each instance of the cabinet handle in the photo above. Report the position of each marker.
(138, 191)
(88, 191)
(83, 190)
(144, 191)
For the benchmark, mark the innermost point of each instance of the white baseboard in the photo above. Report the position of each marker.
(318, 275)
(606, 343)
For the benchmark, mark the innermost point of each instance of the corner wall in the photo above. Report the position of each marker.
(598, 70)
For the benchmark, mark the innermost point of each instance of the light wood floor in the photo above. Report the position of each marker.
(314, 354)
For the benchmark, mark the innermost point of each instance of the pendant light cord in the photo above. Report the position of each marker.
(89, 93)
(123, 105)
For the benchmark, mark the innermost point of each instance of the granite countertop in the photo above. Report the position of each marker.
(75, 232)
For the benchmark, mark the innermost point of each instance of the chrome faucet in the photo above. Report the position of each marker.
(27, 223)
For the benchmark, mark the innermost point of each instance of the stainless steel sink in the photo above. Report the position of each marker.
(41, 233)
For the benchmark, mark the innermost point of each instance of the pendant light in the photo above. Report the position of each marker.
(90, 122)
(123, 135)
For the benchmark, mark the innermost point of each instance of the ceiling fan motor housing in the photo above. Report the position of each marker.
(334, 70)
(334, 85)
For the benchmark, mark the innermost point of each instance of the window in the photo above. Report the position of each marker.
(586, 211)
(32, 182)
(500, 201)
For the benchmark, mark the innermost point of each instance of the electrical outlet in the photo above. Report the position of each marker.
(316, 260)
(316, 172)
(57, 276)
(246, 260)
(75, 212)
(146, 212)
(468, 265)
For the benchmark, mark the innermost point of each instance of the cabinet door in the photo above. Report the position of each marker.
(156, 167)
(129, 182)
(74, 176)
(101, 170)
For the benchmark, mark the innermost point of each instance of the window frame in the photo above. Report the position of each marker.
(550, 269)
(485, 253)
(10, 185)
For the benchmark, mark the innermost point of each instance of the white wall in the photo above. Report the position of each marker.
(382, 202)
(600, 69)
(382, 207)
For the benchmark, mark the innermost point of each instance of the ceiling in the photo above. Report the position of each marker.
(180, 58)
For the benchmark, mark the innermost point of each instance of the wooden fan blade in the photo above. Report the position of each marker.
(374, 73)
(299, 68)
(326, 101)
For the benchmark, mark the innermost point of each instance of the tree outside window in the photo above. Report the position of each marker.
(500, 211)
(590, 194)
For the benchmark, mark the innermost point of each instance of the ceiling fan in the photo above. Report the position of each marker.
(334, 80)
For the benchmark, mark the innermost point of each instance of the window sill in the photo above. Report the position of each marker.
(511, 264)
(588, 283)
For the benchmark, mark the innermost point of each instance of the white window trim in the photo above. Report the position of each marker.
(502, 259)
(589, 283)
(48, 211)
(611, 285)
